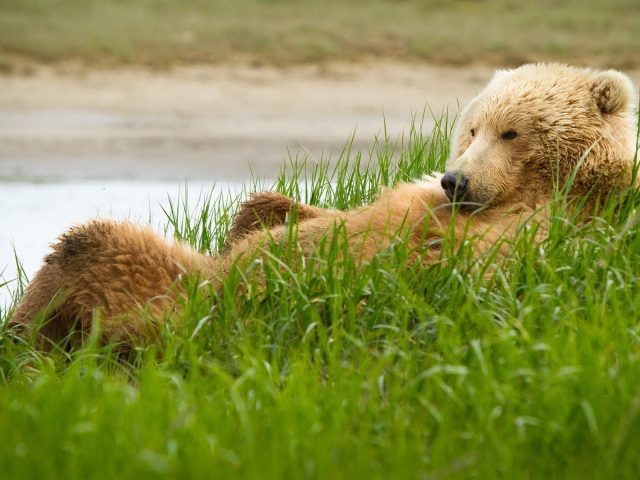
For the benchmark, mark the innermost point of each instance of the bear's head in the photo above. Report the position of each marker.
(538, 126)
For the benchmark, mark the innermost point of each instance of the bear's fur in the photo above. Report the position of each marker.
(532, 129)
(267, 210)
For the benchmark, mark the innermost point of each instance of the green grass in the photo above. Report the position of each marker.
(285, 32)
(524, 367)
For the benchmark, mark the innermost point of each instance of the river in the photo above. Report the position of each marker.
(34, 214)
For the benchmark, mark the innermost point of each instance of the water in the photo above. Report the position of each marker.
(33, 215)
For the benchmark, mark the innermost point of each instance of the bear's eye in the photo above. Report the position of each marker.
(509, 135)
(473, 132)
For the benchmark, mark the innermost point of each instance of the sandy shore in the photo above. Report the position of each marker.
(218, 122)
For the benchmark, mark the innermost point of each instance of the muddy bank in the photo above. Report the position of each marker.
(209, 122)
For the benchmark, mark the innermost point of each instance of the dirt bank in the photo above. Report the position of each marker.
(208, 122)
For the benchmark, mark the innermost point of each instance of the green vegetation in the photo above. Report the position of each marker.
(519, 367)
(284, 32)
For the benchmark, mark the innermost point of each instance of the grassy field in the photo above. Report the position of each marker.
(521, 367)
(284, 32)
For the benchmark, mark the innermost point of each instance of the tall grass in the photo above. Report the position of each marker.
(490, 367)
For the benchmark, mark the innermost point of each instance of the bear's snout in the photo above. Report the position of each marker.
(455, 185)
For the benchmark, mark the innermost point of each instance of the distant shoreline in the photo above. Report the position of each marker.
(162, 34)
(225, 122)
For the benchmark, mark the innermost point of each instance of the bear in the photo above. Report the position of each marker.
(531, 131)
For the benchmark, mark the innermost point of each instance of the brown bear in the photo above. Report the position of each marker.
(532, 130)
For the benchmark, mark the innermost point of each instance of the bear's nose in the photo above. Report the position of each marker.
(455, 185)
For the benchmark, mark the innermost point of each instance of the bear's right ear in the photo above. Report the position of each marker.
(613, 91)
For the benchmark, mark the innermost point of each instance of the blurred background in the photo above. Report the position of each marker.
(109, 106)
(161, 33)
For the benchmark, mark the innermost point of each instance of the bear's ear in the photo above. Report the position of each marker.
(612, 91)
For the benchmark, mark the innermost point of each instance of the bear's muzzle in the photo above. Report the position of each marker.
(455, 185)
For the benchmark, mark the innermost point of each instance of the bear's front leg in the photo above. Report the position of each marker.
(267, 210)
